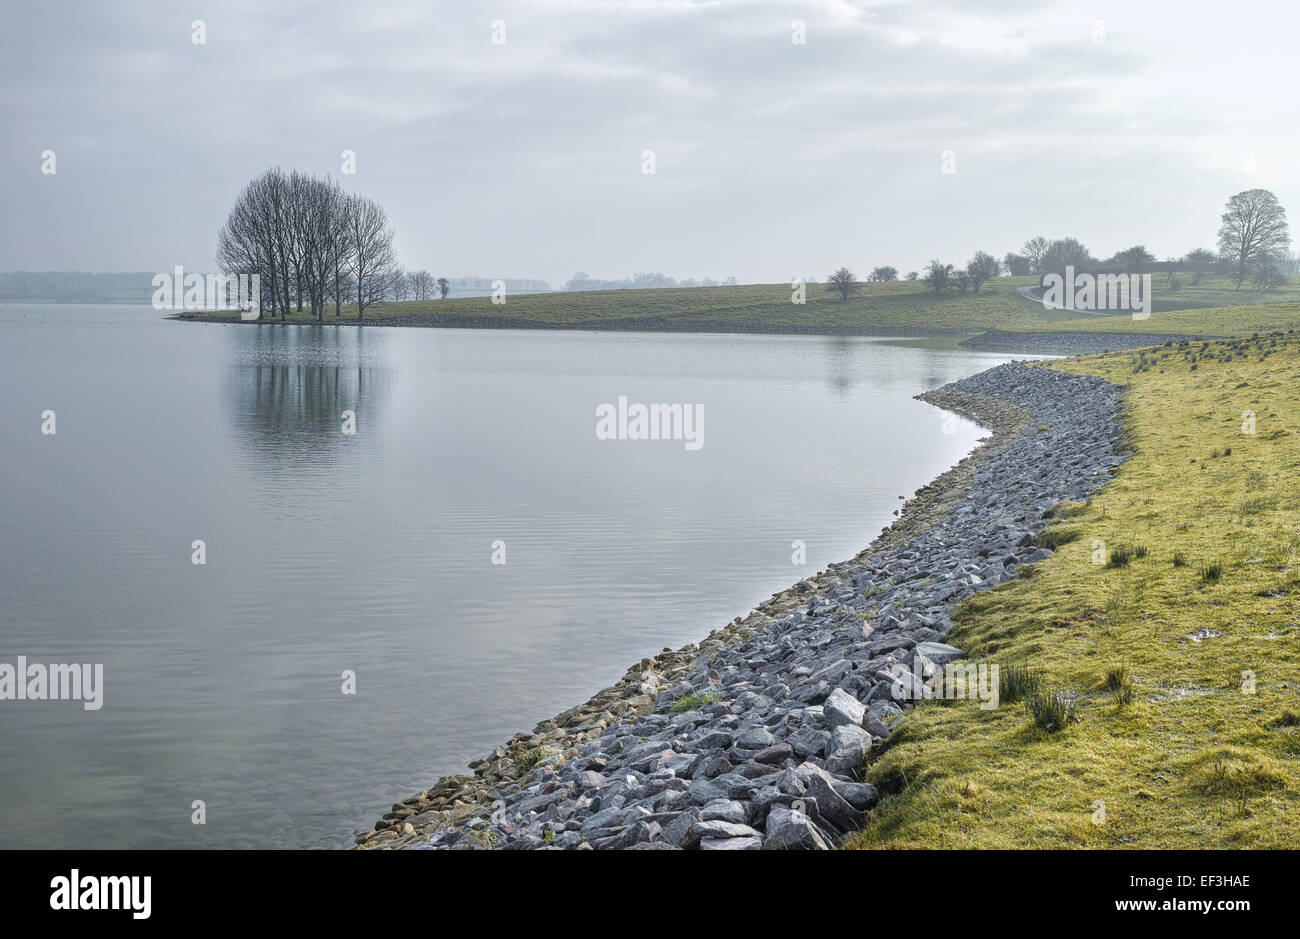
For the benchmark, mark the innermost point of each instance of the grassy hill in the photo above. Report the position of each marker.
(1211, 308)
(1172, 741)
(902, 305)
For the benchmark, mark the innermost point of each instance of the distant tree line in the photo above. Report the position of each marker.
(641, 281)
(1254, 245)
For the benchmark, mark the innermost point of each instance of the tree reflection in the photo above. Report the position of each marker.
(287, 398)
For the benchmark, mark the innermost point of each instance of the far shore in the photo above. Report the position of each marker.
(1000, 317)
(1046, 342)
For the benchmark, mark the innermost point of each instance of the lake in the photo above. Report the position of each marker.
(377, 552)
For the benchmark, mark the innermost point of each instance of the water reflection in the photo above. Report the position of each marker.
(842, 356)
(288, 397)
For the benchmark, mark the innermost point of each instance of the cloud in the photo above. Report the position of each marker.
(524, 158)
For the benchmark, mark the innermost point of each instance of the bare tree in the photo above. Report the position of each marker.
(374, 265)
(1133, 260)
(339, 256)
(939, 276)
(1033, 251)
(884, 273)
(422, 285)
(844, 282)
(401, 285)
(1017, 265)
(1062, 253)
(980, 268)
(1254, 230)
(253, 239)
(245, 245)
(444, 287)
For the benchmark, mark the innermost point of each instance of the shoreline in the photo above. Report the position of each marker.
(1037, 342)
(632, 324)
(708, 746)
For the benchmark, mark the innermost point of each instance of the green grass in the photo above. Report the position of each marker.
(1051, 710)
(1193, 741)
(875, 306)
(692, 701)
(879, 307)
(1242, 320)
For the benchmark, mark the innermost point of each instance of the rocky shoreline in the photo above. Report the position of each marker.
(755, 737)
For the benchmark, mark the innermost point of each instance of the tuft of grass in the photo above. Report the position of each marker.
(1180, 559)
(484, 838)
(1051, 710)
(1016, 682)
(1212, 572)
(1067, 509)
(526, 759)
(1120, 556)
(1056, 535)
(1120, 685)
(689, 702)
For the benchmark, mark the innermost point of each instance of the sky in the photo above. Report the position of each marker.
(510, 139)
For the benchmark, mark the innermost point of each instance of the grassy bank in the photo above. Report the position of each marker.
(1242, 320)
(1200, 541)
(902, 305)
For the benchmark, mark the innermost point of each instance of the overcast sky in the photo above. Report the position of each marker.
(524, 159)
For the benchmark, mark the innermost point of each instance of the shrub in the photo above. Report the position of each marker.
(1017, 681)
(690, 702)
(1120, 684)
(1120, 556)
(527, 759)
(1056, 536)
(1050, 710)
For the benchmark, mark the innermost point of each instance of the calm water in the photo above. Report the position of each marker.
(373, 552)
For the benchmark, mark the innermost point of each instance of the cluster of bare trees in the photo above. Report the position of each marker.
(310, 242)
(981, 268)
(419, 285)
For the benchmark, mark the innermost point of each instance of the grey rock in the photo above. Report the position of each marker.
(721, 829)
(789, 830)
(842, 708)
(724, 810)
(754, 843)
(681, 830)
